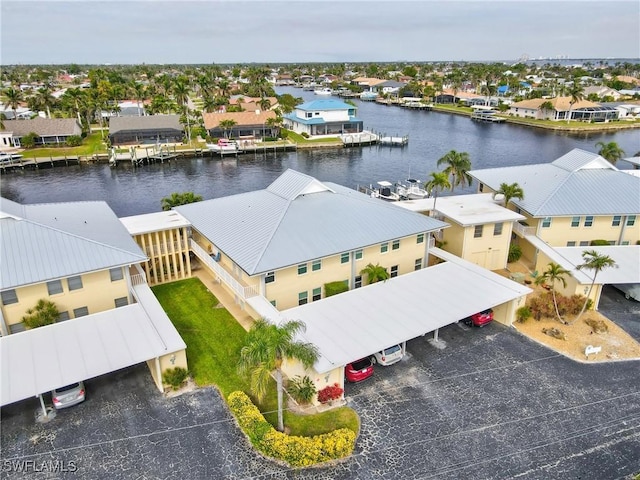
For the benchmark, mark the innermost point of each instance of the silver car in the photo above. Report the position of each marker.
(68, 396)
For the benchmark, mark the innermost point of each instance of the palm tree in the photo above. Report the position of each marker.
(227, 125)
(45, 100)
(546, 106)
(576, 92)
(458, 166)
(438, 182)
(140, 93)
(14, 97)
(554, 273)
(610, 151)
(597, 262)
(181, 95)
(75, 95)
(375, 273)
(509, 191)
(177, 199)
(266, 347)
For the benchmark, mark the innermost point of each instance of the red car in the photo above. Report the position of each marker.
(480, 319)
(358, 370)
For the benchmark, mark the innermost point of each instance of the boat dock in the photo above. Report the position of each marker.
(394, 141)
(486, 115)
(39, 162)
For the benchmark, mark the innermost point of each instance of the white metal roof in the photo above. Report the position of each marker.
(298, 219)
(578, 183)
(472, 209)
(34, 253)
(39, 360)
(154, 222)
(627, 258)
(356, 323)
(633, 161)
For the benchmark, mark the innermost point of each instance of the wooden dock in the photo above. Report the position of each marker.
(394, 141)
(486, 117)
(38, 162)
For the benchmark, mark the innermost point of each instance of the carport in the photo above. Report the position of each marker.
(36, 361)
(356, 323)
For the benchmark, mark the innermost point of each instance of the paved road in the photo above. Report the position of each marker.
(626, 313)
(492, 405)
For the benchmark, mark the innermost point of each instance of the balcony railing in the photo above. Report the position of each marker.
(243, 291)
(523, 230)
(161, 248)
(138, 279)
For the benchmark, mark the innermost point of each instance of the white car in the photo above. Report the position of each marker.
(68, 395)
(388, 356)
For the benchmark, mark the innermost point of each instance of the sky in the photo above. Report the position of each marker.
(305, 31)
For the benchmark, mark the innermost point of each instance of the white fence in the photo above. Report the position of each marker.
(523, 230)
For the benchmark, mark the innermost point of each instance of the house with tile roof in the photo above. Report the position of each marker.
(79, 257)
(132, 130)
(324, 118)
(583, 110)
(250, 124)
(49, 131)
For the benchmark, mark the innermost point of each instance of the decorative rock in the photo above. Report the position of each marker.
(555, 333)
(598, 326)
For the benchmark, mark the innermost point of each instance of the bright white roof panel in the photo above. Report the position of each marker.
(356, 323)
(627, 258)
(154, 222)
(39, 360)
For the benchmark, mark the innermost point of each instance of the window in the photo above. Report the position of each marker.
(359, 254)
(518, 210)
(303, 298)
(316, 294)
(54, 287)
(546, 222)
(270, 277)
(395, 245)
(497, 229)
(584, 243)
(477, 231)
(116, 274)
(9, 297)
(394, 271)
(481, 187)
(575, 221)
(63, 316)
(626, 242)
(616, 221)
(420, 238)
(344, 258)
(121, 302)
(302, 269)
(80, 312)
(418, 264)
(358, 282)
(631, 220)
(17, 327)
(571, 244)
(74, 283)
(612, 242)
(588, 220)
(273, 302)
(316, 265)
(384, 247)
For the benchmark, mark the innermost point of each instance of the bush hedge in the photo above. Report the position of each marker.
(295, 451)
(334, 288)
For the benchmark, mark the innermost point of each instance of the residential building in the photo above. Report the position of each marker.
(81, 258)
(248, 125)
(132, 130)
(562, 108)
(48, 131)
(325, 117)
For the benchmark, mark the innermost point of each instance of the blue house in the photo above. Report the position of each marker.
(324, 117)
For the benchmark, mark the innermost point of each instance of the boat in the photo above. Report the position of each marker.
(413, 190)
(323, 91)
(6, 157)
(224, 146)
(385, 191)
(368, 96)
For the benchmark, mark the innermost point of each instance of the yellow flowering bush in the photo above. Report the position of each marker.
(296, 451)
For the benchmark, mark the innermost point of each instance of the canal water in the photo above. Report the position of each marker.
(133, 191)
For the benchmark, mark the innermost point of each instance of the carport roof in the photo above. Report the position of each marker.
(627, 258)
(356, 323)
(39, 360)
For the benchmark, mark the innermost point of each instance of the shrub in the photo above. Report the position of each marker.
(330, 392)
(305, 134)
(29, 140)
(44, 313)
(334, 288)
(175, 377)
(515, 252)
(523, 314)
(599, 242)
(74, 141)
(542, 306)
(302, 389)
(294, 450)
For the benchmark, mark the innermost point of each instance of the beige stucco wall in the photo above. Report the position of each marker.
(166, 362)
(560, 232)
(98, 293)
(489, 251)
(320, 380)
(506, 312)
(168, 252)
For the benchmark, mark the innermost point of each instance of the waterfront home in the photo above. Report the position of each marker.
(78, 256)
(480, 228)
(368, 84)
(148, 129)
(325, 117)
(451, 96)
(562, 107)
(601, 91)
(247, 125)
(48, 131)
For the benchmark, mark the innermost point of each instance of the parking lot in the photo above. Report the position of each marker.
(492, 405)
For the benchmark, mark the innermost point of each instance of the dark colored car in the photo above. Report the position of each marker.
(358, 370)
(480, 319)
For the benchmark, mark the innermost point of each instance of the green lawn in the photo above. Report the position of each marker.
(90, 145)
(214, 339)
(300, 140)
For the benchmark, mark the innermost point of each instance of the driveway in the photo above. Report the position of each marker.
(626, 313)
(492, 405)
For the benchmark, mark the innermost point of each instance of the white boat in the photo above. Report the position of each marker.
(413, 190)
(368, 96)
(224, 146)
(6, 157)
(385, 191)
(323, 91)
